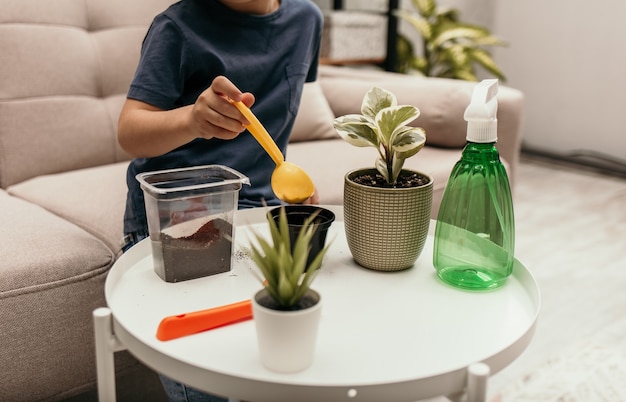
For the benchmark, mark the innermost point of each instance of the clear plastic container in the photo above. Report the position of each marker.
(190, 215)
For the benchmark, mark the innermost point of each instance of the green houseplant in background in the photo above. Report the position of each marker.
(286, 311)
(386, 208)
(450, 48)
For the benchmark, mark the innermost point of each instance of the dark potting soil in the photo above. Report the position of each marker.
(307, 301)
(405, 180)
(205, 252)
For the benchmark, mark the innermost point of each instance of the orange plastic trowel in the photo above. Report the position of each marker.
(177, 326)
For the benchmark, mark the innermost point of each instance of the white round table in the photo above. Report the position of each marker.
(396, 336)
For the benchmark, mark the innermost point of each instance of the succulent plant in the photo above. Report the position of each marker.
(286, 274)
(382, 124)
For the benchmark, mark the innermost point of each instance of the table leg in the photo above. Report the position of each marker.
(477, 376)
(106, 345)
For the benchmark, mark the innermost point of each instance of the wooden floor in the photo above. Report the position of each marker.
(571, 234)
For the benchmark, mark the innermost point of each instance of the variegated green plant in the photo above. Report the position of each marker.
(286, 276)
(450, 48)
(382, 124)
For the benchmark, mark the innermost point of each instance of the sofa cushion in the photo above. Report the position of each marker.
(80, 137)
(443, 113)
(70, 64)
(341, 157)
(51, 278)
(315, 118)
(442, 103)
(40, 249)
(92, 198)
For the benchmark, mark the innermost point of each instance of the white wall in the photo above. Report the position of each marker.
(569, 59)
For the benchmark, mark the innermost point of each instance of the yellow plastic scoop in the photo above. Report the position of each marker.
(289, 181)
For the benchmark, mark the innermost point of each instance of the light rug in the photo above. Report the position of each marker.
(588, 371)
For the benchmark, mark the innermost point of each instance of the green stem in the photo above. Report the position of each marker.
(389, 162)
(427, 67)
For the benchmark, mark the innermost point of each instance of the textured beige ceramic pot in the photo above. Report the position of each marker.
(386, 228)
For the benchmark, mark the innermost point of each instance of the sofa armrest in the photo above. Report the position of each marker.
(442, 103)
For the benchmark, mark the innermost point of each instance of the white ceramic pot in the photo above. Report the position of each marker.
(286, 338)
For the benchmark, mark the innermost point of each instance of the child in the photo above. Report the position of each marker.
(196, 55)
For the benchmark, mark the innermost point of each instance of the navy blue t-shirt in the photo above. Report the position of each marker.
(193, 42)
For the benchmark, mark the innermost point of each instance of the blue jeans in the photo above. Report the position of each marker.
(176, 392)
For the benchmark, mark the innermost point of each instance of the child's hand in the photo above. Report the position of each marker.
(213, 116)
(313, 200)
(145, 131)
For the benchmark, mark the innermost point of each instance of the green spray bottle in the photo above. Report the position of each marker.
(475, 230)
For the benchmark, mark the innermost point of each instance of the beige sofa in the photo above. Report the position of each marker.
(65, 69)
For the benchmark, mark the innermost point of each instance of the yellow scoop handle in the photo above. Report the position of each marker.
(260, 133)
(289, 182)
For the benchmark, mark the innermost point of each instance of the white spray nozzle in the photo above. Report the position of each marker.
(481, 113)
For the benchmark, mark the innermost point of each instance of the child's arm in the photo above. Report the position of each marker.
(147, 131)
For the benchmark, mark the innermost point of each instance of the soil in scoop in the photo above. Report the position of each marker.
(206, 252)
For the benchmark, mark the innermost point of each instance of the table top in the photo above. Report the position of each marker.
(383, 335)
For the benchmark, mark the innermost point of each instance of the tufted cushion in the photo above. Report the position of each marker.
(71, 62)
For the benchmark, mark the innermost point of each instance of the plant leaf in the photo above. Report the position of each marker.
(302, 247)
(381, 166)
(396, 167)
(490, 41)
(306, 284)
(422, 25)
(281, 236)
(483, 58)
(375, 100)
(457, 32)
(409, 141)
(357, 130)
(419, 64)
(404, 52)
(447, 14)
(466, 75)
(425, 7)
(390, 118)
(456, 54)
(285, 286)
(261, 256)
